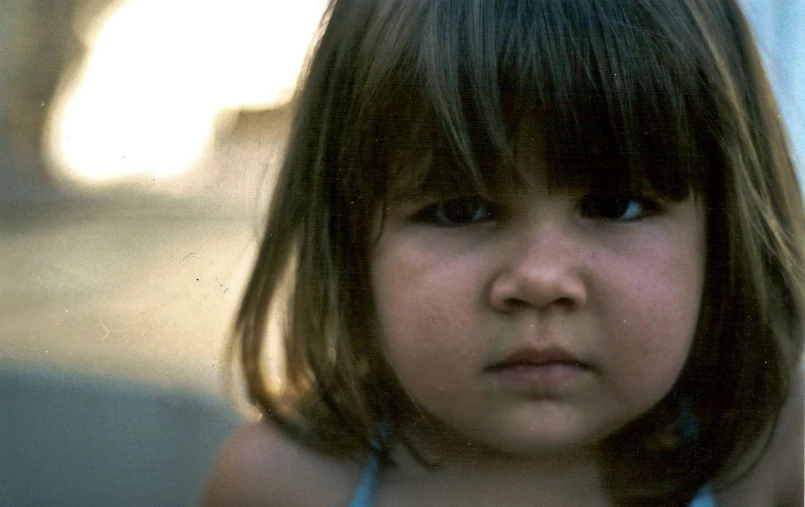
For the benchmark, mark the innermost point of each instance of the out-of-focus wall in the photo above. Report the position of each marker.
(778, 26)
(134, 280)
(36, 44)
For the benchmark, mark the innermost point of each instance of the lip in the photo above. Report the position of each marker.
(540, 370)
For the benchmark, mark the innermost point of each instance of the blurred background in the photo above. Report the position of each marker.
(138, 142)
(138, 139)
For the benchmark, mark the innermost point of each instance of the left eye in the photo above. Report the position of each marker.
(615, 208)
(457, 212)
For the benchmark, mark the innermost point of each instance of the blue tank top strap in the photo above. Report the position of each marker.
(705, 498)
(365, 494)
(690, 430)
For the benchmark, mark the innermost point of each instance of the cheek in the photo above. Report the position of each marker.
(427, 338)
(428, 351)
(653, 329)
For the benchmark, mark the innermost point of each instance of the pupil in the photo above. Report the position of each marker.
(461, 210)
(609, 207)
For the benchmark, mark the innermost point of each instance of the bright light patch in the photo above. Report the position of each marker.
(161, 77)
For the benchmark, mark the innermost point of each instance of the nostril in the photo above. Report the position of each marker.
(514, 304)
(567, 302)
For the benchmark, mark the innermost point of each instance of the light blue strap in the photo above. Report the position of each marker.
(365, 494)
(705, 498)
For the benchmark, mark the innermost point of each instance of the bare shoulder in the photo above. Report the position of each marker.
(778, 477)
(263, 466)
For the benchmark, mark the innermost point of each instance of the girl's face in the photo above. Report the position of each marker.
(538, 321)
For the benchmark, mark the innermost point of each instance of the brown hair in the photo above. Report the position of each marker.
(669, 94)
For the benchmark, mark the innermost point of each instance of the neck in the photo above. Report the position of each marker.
(548, 474)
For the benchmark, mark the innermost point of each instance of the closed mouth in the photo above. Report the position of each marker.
(537, 357)
(507, 365)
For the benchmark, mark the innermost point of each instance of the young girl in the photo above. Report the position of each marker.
(528, 252)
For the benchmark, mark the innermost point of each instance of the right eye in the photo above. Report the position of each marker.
(618, 208)
(457, 212)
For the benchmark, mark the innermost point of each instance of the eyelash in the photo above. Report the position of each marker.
(469, 210)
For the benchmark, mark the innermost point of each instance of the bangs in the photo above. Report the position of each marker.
(617, 90)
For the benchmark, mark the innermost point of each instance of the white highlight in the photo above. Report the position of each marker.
(162, 77)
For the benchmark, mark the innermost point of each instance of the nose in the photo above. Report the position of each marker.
(542, 268)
